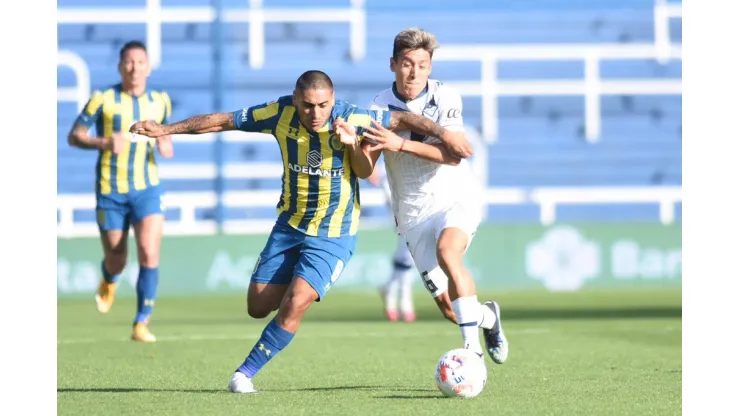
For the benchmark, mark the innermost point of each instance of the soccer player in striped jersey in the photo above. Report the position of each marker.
(319, 210)
(127, 187)
(436, 199)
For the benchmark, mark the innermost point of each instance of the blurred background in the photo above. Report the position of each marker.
(574, 107)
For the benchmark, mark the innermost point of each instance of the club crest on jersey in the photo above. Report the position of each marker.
(430, 110)
(335, 143)
(314, 160)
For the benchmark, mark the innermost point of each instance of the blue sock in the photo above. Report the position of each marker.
(110, 278)
(272, 341)
(146, 292)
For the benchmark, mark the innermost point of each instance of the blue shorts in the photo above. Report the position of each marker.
(318, 260)
(118, 211)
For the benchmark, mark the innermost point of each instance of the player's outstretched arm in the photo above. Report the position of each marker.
(453, 141)
(204, 123)
(385, 139)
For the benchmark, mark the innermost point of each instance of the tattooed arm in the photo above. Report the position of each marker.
(455, 141)
(204, 123)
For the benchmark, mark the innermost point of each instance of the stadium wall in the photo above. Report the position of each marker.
(562, 257)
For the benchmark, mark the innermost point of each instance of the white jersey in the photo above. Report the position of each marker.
(420, 188)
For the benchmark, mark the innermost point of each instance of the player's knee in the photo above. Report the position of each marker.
(295, 304)
(259, 311)
(149, 256)
(115, 262)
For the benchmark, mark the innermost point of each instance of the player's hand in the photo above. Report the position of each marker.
(345, 131)
(383, 138)
(164, 146)
(457, 144)
(148, 128)
(115, 143)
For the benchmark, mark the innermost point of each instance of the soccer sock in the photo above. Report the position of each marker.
(405, 279)
(107, 276)
(391, 291)
(146, 292)
(468, 313)
(488, 318)
(271, 342)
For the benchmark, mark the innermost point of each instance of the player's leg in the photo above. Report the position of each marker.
(320, 264)
(457, 228)
(273, 271)
(394, 287)
(148, 220)
(403, 265)
(112, 218)
(271, 279)
(422, 247)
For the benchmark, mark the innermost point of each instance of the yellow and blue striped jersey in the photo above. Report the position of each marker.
(114, 111)
(320, 193)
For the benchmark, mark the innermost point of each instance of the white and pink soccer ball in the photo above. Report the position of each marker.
(461, 373)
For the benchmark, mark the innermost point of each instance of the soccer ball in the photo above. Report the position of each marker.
(461, 373)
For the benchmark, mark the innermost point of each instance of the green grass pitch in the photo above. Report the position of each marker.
(586, 353)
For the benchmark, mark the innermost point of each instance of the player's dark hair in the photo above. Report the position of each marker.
(134, 44)
(313, 80)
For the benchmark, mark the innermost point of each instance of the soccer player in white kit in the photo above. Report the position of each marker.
(397, 292)
(436, 198)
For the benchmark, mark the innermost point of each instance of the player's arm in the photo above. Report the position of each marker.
(254, 119)
(362, 157)
(385, 139)
(453, 140)
(361, 161)
(79, 135)
(451, 118)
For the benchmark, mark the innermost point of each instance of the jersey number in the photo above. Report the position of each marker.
(431, 287)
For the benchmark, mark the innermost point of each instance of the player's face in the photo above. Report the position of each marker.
(412, 68)
(134, 67)
(314, 107)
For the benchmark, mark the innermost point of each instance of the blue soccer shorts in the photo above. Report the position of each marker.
(320, 261)
(118, 211)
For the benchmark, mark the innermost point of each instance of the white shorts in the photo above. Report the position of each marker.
(422, 243)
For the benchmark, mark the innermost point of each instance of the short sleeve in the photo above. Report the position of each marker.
(450, 110)
(258, 118)
(91, 113)
(167, 108)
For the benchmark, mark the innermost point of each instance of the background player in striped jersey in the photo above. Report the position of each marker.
(436, 199)
(319, 209)
(397, 292)
(127, 186)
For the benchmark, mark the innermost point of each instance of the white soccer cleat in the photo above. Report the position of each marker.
(240, 383)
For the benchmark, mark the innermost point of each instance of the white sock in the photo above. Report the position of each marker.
(406, 282)
(468, 314)
(391, 293)
(488, 318)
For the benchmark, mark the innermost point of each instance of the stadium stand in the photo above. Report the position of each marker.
(540, 140)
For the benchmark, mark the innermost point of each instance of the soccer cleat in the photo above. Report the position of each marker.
(390, 313)
(409, 316)
(496, 342)
(240, 383)
(141, 333)
(105, 296)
